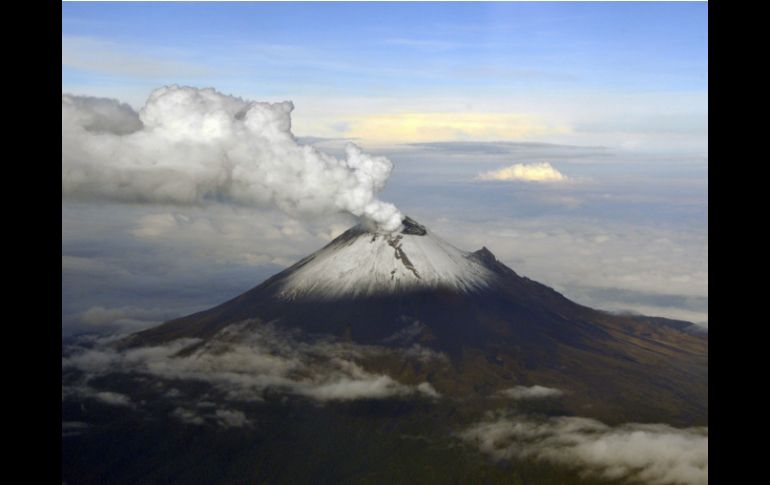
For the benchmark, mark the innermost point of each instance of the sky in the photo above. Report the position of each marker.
(602, 106)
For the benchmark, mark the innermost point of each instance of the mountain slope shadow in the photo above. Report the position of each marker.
(498, 329)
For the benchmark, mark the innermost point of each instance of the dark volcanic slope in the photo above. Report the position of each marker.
(512, 331)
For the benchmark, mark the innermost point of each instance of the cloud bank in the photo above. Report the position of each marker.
(533, 172)
(245, 361)
(638, 453)
(193, 146)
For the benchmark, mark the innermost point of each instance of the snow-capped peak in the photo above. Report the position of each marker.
(362, 262)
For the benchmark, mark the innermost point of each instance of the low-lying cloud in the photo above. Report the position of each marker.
(204, 414)
(193, 146)
(244, 362)
(638, 453)
(106, 397)
(531, 392)
(655, 269)
(520, 172)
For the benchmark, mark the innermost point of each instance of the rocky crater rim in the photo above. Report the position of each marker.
(408, 226)
(412, 227)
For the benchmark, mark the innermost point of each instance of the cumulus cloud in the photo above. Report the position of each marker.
(638, 453)
(532, 172)
(247, 360)
(532, 392)
(100, 115)
(195, 146)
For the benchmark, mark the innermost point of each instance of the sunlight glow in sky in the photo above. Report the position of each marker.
(570, 138)
(632, 74)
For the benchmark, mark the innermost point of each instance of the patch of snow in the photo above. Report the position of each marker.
(363, 263)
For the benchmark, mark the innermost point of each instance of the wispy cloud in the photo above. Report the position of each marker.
(108, 57)
(81, 391)
(427, 45)
(245, 361)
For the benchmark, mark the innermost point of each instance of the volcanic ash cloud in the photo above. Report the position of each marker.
(195, 146)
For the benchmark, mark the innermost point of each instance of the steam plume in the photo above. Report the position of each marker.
(193, 146)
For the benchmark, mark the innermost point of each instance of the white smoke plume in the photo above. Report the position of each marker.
(193, 146)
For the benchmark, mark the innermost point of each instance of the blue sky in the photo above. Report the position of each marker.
(558, 67)
(613, 95)
(647, 46)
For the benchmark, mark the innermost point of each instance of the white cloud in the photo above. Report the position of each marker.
(187, 416)
(532, 392)
(100, 115)
(661, 120)
(197, 146)
(223, 417)
(107, 397)
(533, 172)
(231, 418)
(428, 390)
(646, 453)
(589, 260)
(357, 387)
(244, 361)
(118, 255)
(173, 262)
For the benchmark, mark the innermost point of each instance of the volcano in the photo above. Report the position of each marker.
(497, 327)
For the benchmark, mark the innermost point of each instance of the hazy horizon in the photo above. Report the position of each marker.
(602, 106)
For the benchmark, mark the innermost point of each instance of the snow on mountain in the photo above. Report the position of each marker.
(364, 262)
